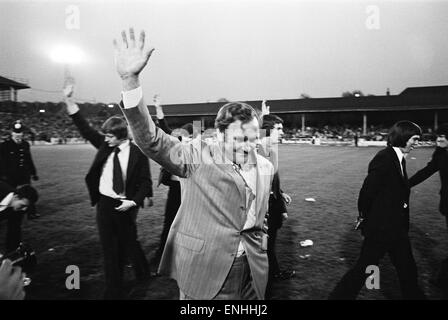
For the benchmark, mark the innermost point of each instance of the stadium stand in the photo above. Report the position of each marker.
(328, 119)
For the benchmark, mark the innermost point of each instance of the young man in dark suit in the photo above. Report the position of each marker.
(277, 212)
(13, 203)
(118, 182)
(439, 162)
(383, 206)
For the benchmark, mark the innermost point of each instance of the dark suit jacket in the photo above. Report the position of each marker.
(11, 154)
(439, 162)
(5, 189)
(138, 183)
(383, 198)
(276, 204)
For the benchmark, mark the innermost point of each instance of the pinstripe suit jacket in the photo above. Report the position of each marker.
(208, 227)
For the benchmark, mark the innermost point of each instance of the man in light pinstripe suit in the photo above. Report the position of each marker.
(216, 248)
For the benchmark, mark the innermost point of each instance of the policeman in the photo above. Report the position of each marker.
(16, 164)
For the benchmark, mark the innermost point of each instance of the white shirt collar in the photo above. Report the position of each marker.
(399, 153)
(7, 200)
(124, 145)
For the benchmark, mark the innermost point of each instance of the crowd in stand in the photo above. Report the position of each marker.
(55, 126)
(348, 133)
(45, 128)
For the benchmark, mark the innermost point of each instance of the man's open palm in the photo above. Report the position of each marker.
(131, 57)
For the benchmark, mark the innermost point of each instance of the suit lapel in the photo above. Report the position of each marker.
(398, 165)
(101, 156)
(228, 168)
(237, 179)
(259, 191)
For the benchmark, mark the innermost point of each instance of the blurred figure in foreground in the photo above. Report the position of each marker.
(439, 162)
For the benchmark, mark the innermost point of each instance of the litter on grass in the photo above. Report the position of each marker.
(306, 243)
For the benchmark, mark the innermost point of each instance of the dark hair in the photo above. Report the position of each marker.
(188, 127)
(27, 192)
(117, 126)
(232, 111)
(269, 121)
(401, 132)
(442, 130)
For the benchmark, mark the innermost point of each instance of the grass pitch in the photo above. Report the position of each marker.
(66, 233)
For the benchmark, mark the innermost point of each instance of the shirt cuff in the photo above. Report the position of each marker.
(132, 98)
(159, 114)
(72, 107)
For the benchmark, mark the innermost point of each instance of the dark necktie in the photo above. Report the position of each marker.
(118, 184)
(403, 164)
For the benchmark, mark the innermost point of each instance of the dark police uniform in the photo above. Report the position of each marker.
(17, 165)
(16, 168)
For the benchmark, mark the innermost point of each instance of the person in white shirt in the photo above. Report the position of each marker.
(216, 247)
(118, 182)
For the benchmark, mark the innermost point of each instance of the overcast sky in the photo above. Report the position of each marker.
(239, 50)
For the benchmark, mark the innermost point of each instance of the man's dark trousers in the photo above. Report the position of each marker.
(118, 236)
(372, 251)
(13, 230)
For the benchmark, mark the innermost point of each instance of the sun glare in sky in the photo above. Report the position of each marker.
(67, 54)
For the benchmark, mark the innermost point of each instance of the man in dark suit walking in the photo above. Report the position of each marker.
(383, 206)
(439, 162)
(277, 212)
(118, 182)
